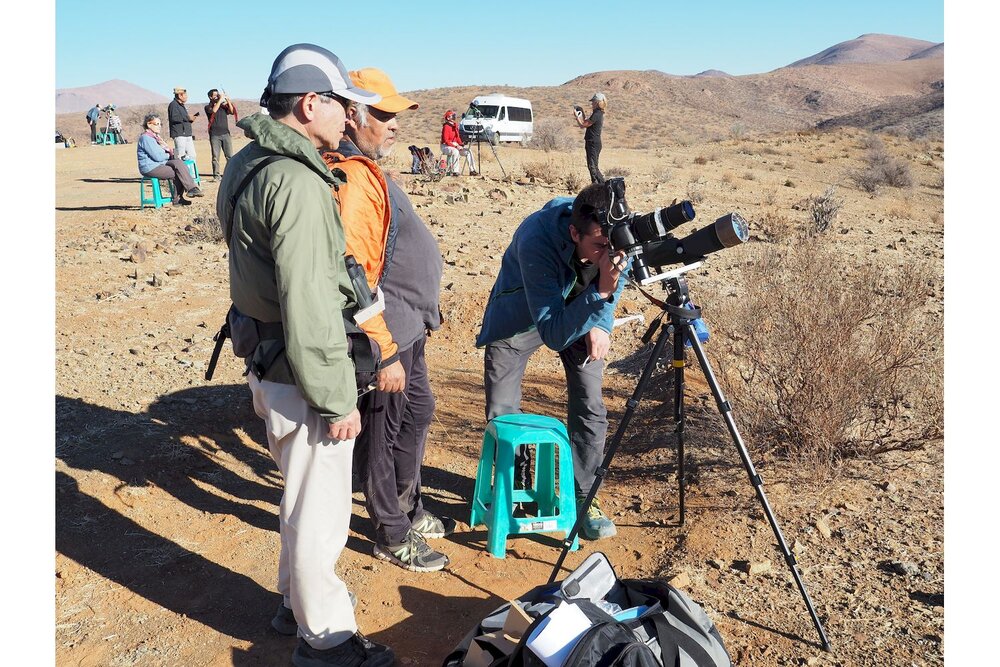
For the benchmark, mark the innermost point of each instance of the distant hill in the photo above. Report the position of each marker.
(936, 51)
(650, 108)
(712, 72)
(871, 48)
(922, 116)
(117, 92)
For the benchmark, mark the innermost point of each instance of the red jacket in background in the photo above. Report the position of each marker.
(450, 135)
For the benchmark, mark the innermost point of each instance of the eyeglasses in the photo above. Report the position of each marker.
(333, 96)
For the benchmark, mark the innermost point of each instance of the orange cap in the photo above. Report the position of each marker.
(378, 81)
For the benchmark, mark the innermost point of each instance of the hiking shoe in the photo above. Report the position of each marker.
(596, 524)
(284, 622)
(431, 527)
(195, 192)
(358, 651)
(414, 554)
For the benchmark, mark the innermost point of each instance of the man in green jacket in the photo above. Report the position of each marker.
(286, 271)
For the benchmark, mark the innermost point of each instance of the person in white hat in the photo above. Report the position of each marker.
(287, 274)
(179, 123)
(592, 137)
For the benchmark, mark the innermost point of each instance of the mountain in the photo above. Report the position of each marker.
(117, 92)
(872, 48)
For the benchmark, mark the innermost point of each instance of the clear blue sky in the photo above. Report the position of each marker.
(511, 42)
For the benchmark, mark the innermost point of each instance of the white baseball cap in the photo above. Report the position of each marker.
(307, 68)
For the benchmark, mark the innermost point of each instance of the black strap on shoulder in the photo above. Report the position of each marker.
(246, 182)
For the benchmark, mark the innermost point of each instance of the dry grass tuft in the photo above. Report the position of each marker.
(823, 363)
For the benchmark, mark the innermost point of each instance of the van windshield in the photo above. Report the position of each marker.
(488, 111)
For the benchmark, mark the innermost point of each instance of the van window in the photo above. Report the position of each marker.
(488, 111)
(520, 114)
(503, 113)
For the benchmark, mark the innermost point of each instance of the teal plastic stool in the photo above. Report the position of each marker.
(156, 197)
(553, 489)
(193, 168)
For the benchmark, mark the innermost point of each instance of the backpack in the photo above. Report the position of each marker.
(633, 623)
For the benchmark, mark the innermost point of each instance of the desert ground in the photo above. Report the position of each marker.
(166, 496)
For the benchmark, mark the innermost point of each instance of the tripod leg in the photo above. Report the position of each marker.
(631, 405)
(678, 362)
(755, 479)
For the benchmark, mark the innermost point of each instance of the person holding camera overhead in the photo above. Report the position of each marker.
(558, 286)
(592, 137)
(218, 110)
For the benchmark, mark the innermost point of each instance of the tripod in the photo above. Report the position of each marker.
(680, 324)
(479, 142)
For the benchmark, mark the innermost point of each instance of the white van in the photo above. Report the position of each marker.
(497, 118)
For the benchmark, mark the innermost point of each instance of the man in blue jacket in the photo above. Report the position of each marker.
(558, 286)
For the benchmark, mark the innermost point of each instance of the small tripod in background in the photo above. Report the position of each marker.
(478, 137)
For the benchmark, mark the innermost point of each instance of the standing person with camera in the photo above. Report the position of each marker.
(180, 125)
(592, 137)
(287, 273)
(558, 286)
(402, 259)
(218, 110)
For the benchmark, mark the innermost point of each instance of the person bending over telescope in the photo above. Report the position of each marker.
(558, 286)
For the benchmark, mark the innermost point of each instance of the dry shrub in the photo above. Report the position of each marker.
(823, 210)
(824, 364)
(776, 227)
(550, 135)
(574, 182)
(546, 171)
(748, 176)
(701, 159)
(617, 172)
(695, 192)
(880, 169)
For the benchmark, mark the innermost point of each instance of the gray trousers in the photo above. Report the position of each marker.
(221, 143)
(586, 419)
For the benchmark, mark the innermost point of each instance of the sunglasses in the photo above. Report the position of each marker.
(379, 115)
(333, 96)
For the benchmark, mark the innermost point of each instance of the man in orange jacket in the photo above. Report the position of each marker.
(403, 265)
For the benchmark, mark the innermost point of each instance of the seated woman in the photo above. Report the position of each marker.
(156, 160)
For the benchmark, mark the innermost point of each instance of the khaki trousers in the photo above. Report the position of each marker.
(314, 515)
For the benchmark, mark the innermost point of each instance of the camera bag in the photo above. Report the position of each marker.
(634, 623)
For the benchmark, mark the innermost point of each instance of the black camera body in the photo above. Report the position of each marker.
(646, 237)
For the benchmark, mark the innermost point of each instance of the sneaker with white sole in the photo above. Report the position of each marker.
(358, 651)
(284, 622)
(596, 524)
(414, 554)
(431, 527)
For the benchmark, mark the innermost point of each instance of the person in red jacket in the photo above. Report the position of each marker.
(452, 146)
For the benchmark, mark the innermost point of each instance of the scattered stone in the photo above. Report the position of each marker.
(823, 528)
(717, 564)
(139, 252)
(888, 487)
(156, 280)
(173, 272)
(680, 580)
(905, 568)
(759, 567)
